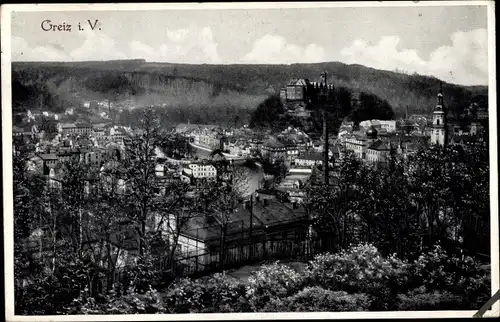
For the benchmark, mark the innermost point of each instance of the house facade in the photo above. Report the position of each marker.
(309, 159)
(75, 129)
(201, 171)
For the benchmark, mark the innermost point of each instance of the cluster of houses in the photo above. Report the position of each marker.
(92, 144)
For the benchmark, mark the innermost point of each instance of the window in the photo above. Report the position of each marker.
(437, 121)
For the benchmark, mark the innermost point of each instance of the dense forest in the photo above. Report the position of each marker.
(56, 86)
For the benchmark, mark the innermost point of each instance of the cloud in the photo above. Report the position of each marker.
(21, 51)
(190, 45)
(273, 49)
(97, 46)
(464, 62)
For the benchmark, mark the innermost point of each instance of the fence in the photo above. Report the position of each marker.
(302, 248)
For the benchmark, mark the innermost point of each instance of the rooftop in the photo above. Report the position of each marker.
(190, 126)
(312, 156)
(265, 213)
(47, 156)
(380, 145)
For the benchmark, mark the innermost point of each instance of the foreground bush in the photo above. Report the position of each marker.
(441, 273)
(273, 281)
(51, 292)
(361, 269)
(317, 299)
(217, 293)
(149, 302)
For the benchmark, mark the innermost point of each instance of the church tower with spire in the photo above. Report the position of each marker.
(439, 132)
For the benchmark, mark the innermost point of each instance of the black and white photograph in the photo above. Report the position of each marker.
(244, 159)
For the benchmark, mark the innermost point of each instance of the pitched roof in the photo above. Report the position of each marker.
(380, 145)
(298, 82)
(313, 156)
(48, 156)
(271, 213)
(68, 125)
(83, 124)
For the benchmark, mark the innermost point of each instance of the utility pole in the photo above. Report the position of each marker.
(324, 75)
(325, 152)
(250, 228)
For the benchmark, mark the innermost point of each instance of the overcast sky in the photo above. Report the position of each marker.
(447, 42)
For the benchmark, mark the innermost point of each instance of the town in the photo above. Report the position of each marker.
(278, 176)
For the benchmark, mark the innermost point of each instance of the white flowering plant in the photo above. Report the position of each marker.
(360, 269)
(271, 282)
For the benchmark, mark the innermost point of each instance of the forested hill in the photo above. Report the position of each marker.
(228, 85)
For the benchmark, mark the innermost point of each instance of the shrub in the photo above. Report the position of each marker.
(317, 299)
(37, 297)
(149, 302)
(184, 296)
(217, 293)
(476, 290)
(50, 292)
(272, 281)
(142, 274)
(423, 300)
(223, 293)
(360, 269)
(132, 302)
(436, 270)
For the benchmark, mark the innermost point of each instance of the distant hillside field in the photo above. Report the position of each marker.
(220, 88)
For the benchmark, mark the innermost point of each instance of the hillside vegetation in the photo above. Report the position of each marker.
(228, 89)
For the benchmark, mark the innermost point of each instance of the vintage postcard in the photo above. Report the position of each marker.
(203, 161)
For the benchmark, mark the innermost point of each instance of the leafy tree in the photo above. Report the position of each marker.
(469, 204)
(371, 107)
(267, 113)
(138, 170)
(331, 206)
(220, 201)
(382, 203)
(49, 126)
(74, 181)
(182, 209)
(105, 227)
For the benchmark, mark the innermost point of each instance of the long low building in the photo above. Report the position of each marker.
(309, 159)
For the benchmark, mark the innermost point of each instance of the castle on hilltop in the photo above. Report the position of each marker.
(302, 92)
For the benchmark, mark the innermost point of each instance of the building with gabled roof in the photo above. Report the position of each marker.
(378, 151)
(267, 216)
